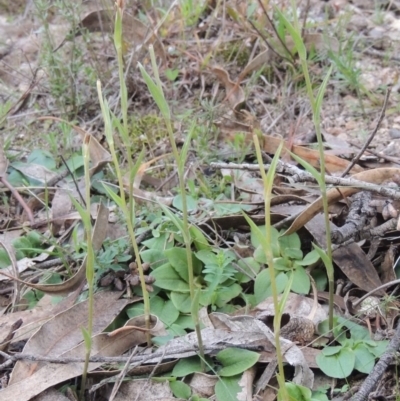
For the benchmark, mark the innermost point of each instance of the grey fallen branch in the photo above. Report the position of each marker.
(141, 358)
(359, 211)
(370, 233)
(297, 175)
(371, 135)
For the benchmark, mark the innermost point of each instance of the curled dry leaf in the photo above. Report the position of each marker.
(296, 306)
(99, 234)
(25, 263)
(234, 92)
(140, 194)
(99, 157)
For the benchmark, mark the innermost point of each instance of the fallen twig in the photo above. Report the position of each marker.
(371, 136)
(298, 175)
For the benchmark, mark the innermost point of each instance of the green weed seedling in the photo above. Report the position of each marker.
(62, 70)
(229, 367)
(113, 256)
(295, 392)
(214, 276)
(288, 260)
(355, 350)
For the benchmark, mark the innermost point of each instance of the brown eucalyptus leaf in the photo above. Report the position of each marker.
(25, 263)
(387, 272)
(354, 263)
(143, 389)
(309, 354)
(33, 317)
(134, 31)
(234, 92)
(351, 259)
(333, 163)
(246, 384)
(9, 336)
(98, 236)
(64, 331)
(271, 144)
(143, 195)
(262, 58)
(296, 306)
(51, 395)
(203, 384)
(61, 205)
(51, 374)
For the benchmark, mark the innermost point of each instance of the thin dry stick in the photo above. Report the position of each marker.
(19, 198)
(268, 44)
(151, 375)
(121, 375)
(138, 359)
(371, 136)
(381, 287)
(298, 175)
(14, 265)
(276, 32)
(307, 10)
(392, 159)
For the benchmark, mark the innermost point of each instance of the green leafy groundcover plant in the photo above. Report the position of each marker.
(288, 259)
(355, 350)
(231, 363)
(220, 276)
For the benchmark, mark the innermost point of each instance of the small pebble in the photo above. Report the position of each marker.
(394, 133)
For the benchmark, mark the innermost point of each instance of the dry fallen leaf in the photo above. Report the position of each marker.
(270, 144)
(64, 331)
(134, 32)
(351, 259)
(312, 41)
(234, 92)
(104, 344)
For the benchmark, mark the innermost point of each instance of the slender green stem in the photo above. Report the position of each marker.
(268, 183)
(315, 106)
(128, 209)
(89, 263)
(155, 87)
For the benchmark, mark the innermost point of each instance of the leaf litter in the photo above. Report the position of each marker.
(236, 82)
